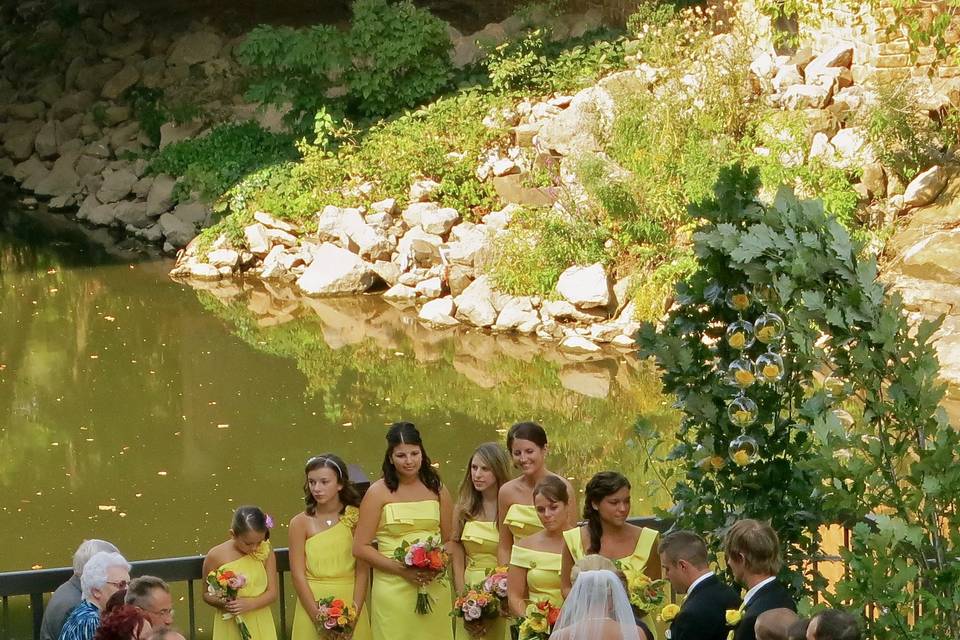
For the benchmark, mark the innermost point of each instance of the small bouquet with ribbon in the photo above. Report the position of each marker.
(336, 620)
(477, 607)
(427, 556)
(225, 585)
(538, 621)
(646, 594)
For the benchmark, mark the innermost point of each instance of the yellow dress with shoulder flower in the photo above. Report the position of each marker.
(522, 520)
(543, 573)
(259, 621)
(480, 540)
(392, 597)
(636, 561)
(331, 572)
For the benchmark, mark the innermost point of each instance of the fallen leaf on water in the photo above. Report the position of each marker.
(161, 473)
(347, 424)
(109, 318)
(107, 507)
(36, 566)
(223, 426)
(94, 357)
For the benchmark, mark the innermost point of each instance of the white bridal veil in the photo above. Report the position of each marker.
(596, 609)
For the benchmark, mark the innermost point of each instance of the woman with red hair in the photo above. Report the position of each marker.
(125, 622)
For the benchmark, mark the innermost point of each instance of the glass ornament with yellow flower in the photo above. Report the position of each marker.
(742, 411)
(738, 300)
(769, 368)
(769, 327)
(740, 373)
(743, 450)
(740, 335)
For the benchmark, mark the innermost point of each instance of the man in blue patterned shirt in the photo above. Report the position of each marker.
(103, 575)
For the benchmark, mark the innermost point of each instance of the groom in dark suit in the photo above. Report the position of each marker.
(752, 550)
(683, 558)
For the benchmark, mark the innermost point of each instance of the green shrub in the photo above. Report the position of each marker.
(394, 57)
(663, 31)
(213, 163)
(152, 109)
(539, 246)
(534, 63)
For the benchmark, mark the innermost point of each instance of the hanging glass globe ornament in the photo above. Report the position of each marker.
(835, 387)
(769, 368)
(742, 411)
(740, 335)
(768, 328)
(738, 300)
(744, 450)
(846, 420)
(740, 373)
(765, 293)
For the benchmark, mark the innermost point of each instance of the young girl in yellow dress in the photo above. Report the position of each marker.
(475, 526)
(535, 563)
(607, 533)
(321, 547)
(527, 445)
(247, 553)
(407, 504)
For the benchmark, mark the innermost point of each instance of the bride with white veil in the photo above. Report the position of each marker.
(596, 609)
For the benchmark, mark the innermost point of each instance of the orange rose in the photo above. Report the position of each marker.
(436, 560)
(337, 604)
(553, 616)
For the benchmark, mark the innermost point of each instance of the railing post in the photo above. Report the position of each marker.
(191, 612)
(36, 609)
(5, 621)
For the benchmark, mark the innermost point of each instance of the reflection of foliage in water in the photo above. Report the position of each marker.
(588, 434)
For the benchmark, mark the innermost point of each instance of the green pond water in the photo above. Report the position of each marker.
(137, 409)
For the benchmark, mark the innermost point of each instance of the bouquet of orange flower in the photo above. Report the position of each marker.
(429, 556)
(225, 585)
(336, 620)
(538, 621)
(476, 606)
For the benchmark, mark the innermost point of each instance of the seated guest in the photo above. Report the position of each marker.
(774, 624)
(833, 624)
(103, 575)
(702, 616)
(67, 595)
(152, 596)
(125, 622)
(753, 555)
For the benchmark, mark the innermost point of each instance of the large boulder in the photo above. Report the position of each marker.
(18, 139)
(62, 181)
(171, 132)
(49, 139)
(585, 287)
(839, 56)
(925, 188)
(195, 213)
(133, 214)
(438, 312)
(32, 166)
(116, 185)
(475, 304)
(120, 82)
(371, 243)
(935, 258)
(160, 197)
(438, 220)
(417, 247)
(256, 238)
(336, 271)
(193, 48)
(176, 231)
(517, 314)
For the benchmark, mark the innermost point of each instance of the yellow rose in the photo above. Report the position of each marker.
(742, 458)
(539, 625)
(771, 371)
(669, 612)
(766, 334)
(740, 301)
(742, 417)
(717, 462)
(737, 340)
(734, 616)
(743, 377)
(342, 620)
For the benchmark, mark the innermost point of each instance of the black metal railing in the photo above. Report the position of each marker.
(188, 570)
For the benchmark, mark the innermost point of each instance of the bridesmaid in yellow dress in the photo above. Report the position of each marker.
(527, 445)
(476, 536)
(321, 547)
(535, 563)
(407, 504)
(247, 553)
(607, 533)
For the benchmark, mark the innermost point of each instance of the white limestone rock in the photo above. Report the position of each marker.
(585, 287)
(257, 241)
(336, 271)
(925, 188)
(475, 304)
(439, 312)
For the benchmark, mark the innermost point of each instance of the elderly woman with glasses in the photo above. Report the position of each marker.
(103, 575)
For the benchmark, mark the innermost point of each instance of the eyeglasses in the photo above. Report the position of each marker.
(119, 584)
(161, 612)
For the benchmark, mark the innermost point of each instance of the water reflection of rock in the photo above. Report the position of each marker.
(474, 355)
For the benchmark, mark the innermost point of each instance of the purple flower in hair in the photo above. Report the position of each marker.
(269, 521)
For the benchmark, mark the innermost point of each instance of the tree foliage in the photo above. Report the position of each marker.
(850, 435)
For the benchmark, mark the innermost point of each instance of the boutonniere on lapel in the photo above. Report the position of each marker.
(733, 616)
(667, 614)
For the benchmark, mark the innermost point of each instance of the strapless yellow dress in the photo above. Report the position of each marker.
(636, 561)
(259, 621)
(331, 571)
(522, 520)
(543, 573)
(393, 598)
(480, 541)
